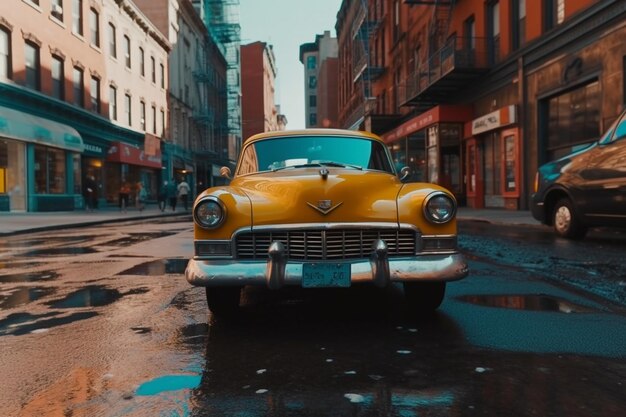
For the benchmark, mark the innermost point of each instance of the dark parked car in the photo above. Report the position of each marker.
(586, 188)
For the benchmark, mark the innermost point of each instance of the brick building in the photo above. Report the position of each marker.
(258, 75)
(475, 95)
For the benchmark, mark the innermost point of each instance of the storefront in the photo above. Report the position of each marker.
(131, 164)
(430, 145)
(39, 163)
(493, 160)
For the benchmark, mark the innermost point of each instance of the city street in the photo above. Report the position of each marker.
(100, 321)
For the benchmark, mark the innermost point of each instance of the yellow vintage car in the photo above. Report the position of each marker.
(323, 208)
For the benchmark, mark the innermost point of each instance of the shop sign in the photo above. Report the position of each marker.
(94, 149)
(494, 120)
(128, 154)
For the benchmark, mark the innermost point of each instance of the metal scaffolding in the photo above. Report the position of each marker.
(221, 17)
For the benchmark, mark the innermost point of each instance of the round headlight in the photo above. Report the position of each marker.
(439, 207)
(209, 212)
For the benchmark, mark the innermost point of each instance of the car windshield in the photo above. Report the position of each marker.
(313, 151)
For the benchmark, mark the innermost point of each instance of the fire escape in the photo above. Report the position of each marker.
(364, 71)
(453, 62)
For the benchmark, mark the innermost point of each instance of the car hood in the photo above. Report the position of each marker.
(305, 196)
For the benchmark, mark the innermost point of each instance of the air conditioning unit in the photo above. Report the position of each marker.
(57, 9)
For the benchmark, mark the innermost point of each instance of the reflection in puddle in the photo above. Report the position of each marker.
(136, 238)
(24, 323)
(23, 296)
(531, 302)
(92, 296)
(160, 267)
(29, 277)
(77, 250)
(169, 383)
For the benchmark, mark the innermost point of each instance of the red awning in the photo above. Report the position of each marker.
(128, 154)
(437, 114)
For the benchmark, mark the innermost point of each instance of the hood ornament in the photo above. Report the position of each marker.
(324, 173)
(325, 206)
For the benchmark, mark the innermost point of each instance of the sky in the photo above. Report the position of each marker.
(287, 24)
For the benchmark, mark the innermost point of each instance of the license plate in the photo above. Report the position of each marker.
(325, 275)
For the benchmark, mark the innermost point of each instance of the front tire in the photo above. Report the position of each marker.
(424, 297)
(223, 301)
(565, 220)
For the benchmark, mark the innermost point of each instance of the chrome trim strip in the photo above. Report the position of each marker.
(326, 226)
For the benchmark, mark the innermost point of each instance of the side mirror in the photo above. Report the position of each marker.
(225, 172)
(404, 173)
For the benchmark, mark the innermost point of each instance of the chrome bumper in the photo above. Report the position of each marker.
(276, 272)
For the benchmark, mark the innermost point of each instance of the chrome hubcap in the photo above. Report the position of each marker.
(562, 219)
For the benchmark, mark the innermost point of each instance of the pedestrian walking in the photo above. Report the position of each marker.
(183, 192)
(90, 192)
(124, 196)
(162, 196)
(142, 196)
(171, 194)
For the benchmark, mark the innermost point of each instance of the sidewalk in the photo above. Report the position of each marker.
(17, 223)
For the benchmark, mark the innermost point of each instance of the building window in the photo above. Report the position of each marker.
(154, 119)
(112, 41)
(94, 27)
(113, 102)
(56, 9)
(95, 94)
(518, 23)
(573, 120)
(396, 20)
(493, 31)
(549, 14)
(162, 122)
(142, 62)
(312, 81)
(153, 69)
(77, 17)
(79, 87)
(162, 76)
(127, 51)
(469, 27)
(50, 173)
(311, 62)
(58, 78)
(33, 68)
(142, 115)
(313, 119)
(5, 54)
(313, 101)
(127, 110)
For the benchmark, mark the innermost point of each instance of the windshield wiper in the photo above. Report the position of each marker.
(320, 164)
(340, 165)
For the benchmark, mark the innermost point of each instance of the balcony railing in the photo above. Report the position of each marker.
(454, 65)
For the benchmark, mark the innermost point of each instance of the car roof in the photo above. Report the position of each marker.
(313, 132)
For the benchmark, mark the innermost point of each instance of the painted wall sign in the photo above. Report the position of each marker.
(494, 120)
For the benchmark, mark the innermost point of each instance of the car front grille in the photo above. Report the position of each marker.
(326, 244)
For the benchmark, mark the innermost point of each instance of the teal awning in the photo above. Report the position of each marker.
(26, 127)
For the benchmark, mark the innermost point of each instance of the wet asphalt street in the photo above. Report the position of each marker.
(100, 321)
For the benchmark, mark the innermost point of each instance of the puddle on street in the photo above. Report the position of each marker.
(159, 267)
(18, 264)
(92, 296)
(530, 302)
(76, 250)
(29, 277)
(24, 323)
(44, 241)
(23, 296)
(133, 238)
